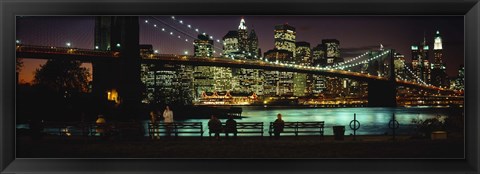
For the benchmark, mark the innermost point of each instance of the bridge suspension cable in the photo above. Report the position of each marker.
(364, 61)
(414, 75)
(188, 38)
(351, 60)
(196, 29)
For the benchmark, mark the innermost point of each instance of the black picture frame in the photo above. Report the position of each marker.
(9, 9)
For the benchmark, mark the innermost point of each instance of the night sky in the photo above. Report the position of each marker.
(356, 34)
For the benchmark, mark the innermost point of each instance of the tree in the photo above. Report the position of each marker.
(62, 76)
(19, 65)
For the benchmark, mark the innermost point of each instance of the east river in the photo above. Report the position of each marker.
(373, 121)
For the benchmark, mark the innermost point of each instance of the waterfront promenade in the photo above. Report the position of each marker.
(244, 147)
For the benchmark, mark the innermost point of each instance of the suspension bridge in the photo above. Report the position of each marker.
(381, 86)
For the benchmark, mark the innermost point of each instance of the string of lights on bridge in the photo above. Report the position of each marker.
(400, 77)
(339, 66)
(414, 75)
(365, 61)
(351, 60)
(175, 34)
(189, 26)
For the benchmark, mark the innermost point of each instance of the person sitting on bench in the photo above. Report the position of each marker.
(278, 125)
(230, 126)
(215, 126)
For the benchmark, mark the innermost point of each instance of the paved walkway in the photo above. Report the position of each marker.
(244, 147)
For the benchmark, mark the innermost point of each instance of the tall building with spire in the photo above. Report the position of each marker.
(420, 61)
(438, 68)
(243, 37)
(240, 44)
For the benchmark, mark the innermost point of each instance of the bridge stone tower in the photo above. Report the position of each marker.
(120, 34)
(383, 93)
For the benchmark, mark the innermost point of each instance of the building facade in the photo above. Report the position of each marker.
(420, 62)
(439, 75)
(303, 54)
(203, 46)
(332, 51)
(284, 38)
(460, 81)
(231, 45)
(318, 56)
(399, 65)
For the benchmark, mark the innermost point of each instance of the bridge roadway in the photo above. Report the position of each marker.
(87, 55)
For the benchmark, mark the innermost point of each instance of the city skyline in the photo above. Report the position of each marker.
(351, 43)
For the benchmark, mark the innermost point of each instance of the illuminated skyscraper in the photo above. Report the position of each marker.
(318, 84)
(249, 80)
(438, 68)
(284, 36)
(203, 46)
(332, 51)
(231, 45)
(203, 80)
(240, 44)
(253, 50)
(460, 81)
(270, 83)
(302, 82)
(399, 63)
(303, 53)
(318, 56)
(243, 37)
(420, 62)
(300, 86)
(285, 85)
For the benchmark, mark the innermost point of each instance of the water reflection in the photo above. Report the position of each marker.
(374, 121)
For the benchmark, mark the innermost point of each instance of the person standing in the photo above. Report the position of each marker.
(278, 125)
(153, 125)
(168, 119)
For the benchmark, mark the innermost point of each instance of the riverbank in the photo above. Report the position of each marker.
(244, 147)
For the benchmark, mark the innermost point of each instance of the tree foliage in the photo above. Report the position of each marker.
(19, 64)
(427, 126)
(63, 76)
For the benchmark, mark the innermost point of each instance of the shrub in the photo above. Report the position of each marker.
(424, 128)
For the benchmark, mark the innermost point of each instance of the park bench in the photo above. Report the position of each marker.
(126, 130)
(244, 128)
(121, 130)
(157, 129)
(65, 128)
(300, 127)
